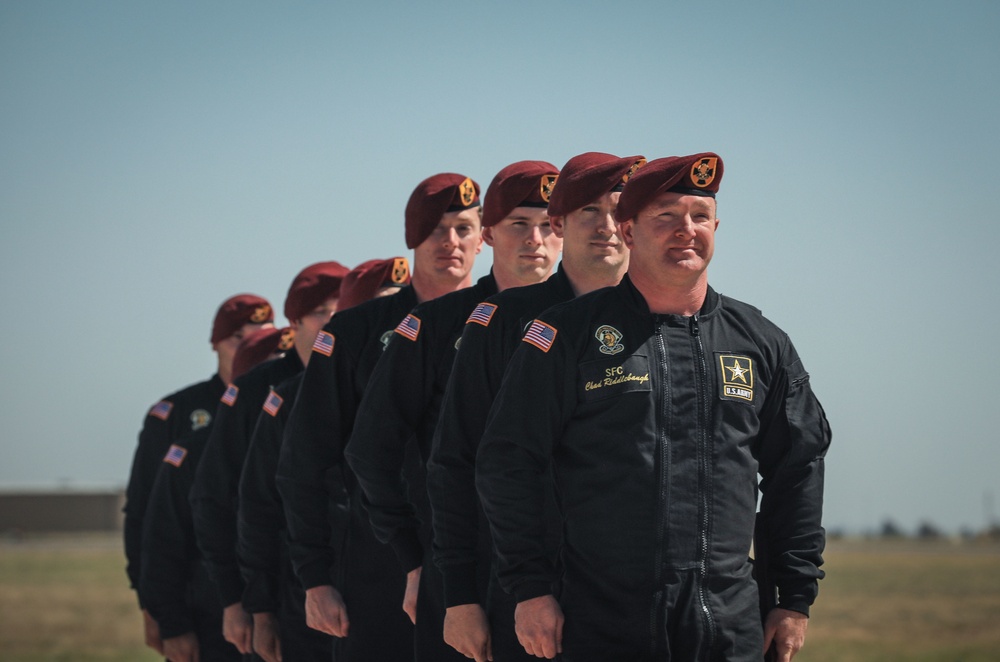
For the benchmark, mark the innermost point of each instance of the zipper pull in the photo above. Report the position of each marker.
(695, 328)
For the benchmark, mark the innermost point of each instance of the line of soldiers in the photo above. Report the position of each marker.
(558, 460)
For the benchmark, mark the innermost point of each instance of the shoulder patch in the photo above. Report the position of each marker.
(200, 418)
(409, 327)
(273, 403)
(324, 343)
(482, 314)
(541, 335)
(175, 455)
(161, 410)
(229, 397)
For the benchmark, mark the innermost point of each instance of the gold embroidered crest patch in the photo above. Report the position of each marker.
(546, 186)
(287, 340)
(260, 314)
(200, 418)
(467, 192)
(631, 171)
(400, 270)
(703, 171)
(737, 377)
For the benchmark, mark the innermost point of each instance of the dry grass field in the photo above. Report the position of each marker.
(65, 598)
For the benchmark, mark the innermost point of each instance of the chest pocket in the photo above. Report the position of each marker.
(608, 378)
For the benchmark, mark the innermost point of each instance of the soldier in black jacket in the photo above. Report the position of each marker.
(179, 414)
(174, 579)
(352, 589)
(311, 300)
(658, 403)
(594, 255)
(272, 594)
(403, 396)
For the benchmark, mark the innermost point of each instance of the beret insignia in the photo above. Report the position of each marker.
(703, 171)
(401, 269)
(547, 183)
(260, 314)
(467, 192)
(287, 340)
(631, 171)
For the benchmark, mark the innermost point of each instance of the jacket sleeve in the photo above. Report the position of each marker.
(311, 460)
(169, 549)
(451, 469)
(525, 422)
(795, 436)
(260, 524)
(396, 399)
(154, 440)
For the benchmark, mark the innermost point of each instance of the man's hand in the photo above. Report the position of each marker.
(410, 596)
(237, 628)
(182, 648)
(787, 629)
(538, 623)
(467, 631)
(152, 632)
(325, 611)
(266, 641)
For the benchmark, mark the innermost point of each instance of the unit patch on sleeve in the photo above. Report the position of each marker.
(273, 403)
(200, 418)
(737, 377)
(229, 397)
(541, 335)
(482, 314)
(161, 409)
(175, 455)
(324, 343)
(409, 327)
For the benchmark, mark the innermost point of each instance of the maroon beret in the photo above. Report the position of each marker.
(521, 184)
(697, 174)
(314, 285)
(237, 311)
(587, 177)
(366, 279)
(432, 198)
(259, 345)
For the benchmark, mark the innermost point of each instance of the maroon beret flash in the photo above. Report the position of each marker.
(237, 311)
(697, 174)
(588, 176)
(365, 280)
(314, 285)
(521, 184)
(258, 346)
(432, 198)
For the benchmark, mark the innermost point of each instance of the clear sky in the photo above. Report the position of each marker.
(156, 158)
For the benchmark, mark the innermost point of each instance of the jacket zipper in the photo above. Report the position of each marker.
(704, 477)
(663, 447)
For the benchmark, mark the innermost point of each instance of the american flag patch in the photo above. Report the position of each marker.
(409, 327)
(541, 335)
(482, 314)
(324, 343)
(161, 410)
(273, 403)
(175, 455)
(229, 397)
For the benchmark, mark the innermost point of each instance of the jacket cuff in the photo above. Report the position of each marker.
(173, 622)
(408, 550)
(461, 586)
(531, 589)
(313, 574)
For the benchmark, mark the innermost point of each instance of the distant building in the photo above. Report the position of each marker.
(60, 511)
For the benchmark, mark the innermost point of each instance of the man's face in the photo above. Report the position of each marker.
(226, 347)
(673, 237)
(449, 253)
(591, 235)
(524, 247)
(309, 326)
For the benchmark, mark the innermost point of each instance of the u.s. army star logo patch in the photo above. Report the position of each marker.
(737, 377)
(610, 339)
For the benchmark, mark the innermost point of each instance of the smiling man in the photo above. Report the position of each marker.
(658, 403)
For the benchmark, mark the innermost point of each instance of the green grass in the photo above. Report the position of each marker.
(67, 599)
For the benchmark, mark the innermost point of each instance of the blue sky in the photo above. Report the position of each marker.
(156, 158)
